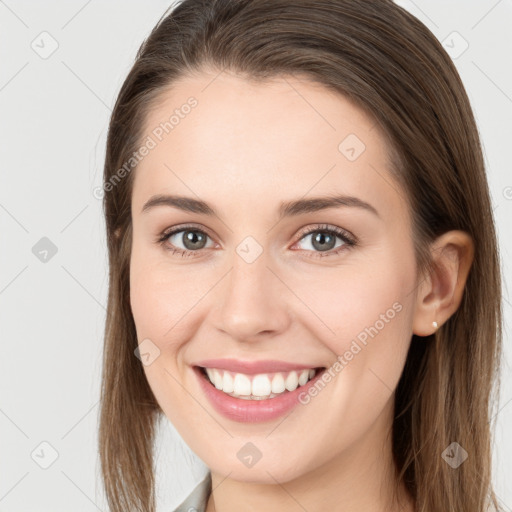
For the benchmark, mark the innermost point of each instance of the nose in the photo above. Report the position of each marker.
(252, 301)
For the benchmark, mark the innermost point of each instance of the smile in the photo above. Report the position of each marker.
(256, 397)
(258, 387)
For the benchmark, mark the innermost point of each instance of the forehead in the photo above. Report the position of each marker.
(221, 136)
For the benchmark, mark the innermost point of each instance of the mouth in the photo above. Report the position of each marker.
(261, 386)
(256, 397)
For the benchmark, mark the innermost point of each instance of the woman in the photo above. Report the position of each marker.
(303, 263)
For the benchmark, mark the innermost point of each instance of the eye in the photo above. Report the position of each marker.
(191, 238)
(323, 240)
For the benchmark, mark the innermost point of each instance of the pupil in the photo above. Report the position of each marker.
(193, 240)
(319, 241)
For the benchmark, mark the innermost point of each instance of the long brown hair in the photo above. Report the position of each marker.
(384, 59)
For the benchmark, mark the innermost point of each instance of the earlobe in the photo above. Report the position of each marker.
(440, 293)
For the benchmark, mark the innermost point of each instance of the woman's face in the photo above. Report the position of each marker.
(265, 279)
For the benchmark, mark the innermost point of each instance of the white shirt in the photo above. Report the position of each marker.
(197, 500)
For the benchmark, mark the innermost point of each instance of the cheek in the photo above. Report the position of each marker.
(160, 297)
(363, 314)
(153, 303)
(366, 316)
(353, 303)
(161, 302)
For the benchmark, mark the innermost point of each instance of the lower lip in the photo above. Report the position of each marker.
(252, 411)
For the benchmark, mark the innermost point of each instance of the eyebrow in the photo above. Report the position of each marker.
(286, 209)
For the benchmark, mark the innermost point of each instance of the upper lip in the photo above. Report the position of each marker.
(253, 367)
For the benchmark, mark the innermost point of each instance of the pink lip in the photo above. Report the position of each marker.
(252, 411)
(252, 367)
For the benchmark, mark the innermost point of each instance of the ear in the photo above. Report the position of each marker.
(440, 293)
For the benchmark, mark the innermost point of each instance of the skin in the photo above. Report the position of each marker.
(245, 148)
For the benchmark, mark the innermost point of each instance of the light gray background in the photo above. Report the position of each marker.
(54, 117)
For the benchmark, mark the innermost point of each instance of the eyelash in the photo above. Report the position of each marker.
(349, 241)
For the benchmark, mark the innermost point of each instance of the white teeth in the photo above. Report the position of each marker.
(291, 381)
(227, 383)
(278, 383)
(303, 377)
(242, 384)
(217, 379)
(261, 386)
